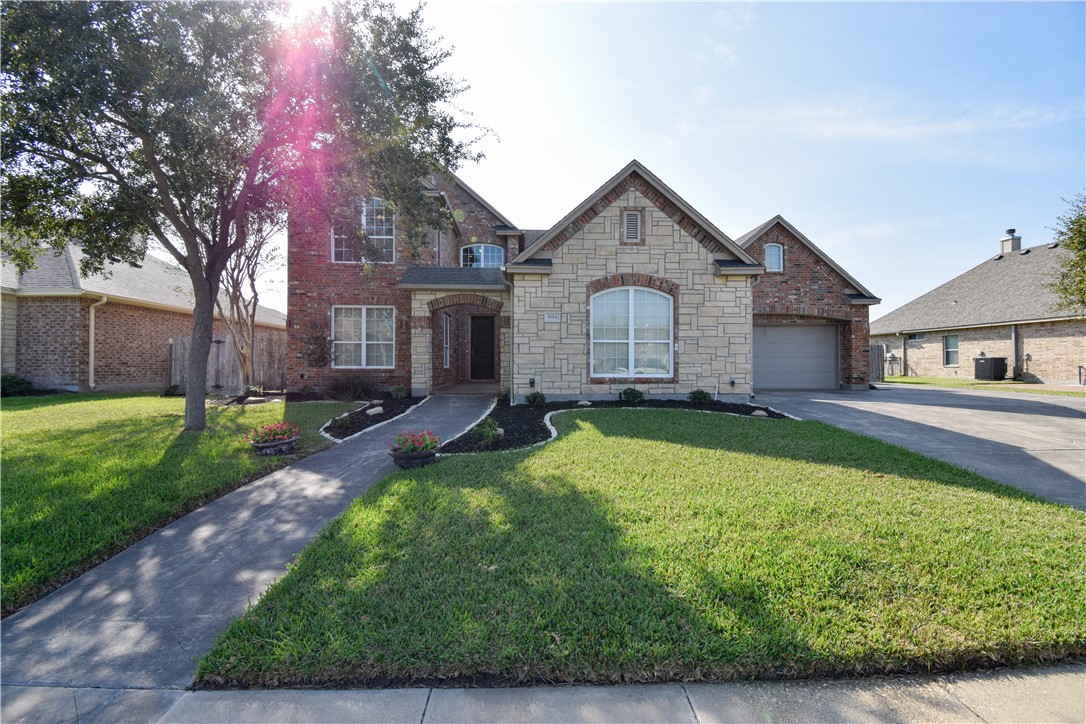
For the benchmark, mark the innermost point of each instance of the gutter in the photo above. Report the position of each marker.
(90, 345)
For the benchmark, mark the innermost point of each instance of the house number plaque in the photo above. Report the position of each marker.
(552, 316)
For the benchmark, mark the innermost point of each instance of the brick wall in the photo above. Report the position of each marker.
(1048, 351)
(48, 352)
(810, 291)
(712, 321)
(9, 310)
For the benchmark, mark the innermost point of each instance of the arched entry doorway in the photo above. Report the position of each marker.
(466, 337)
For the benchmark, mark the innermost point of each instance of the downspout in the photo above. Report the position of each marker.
(1016, 371)
(90, 345)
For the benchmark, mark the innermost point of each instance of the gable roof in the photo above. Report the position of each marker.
(1004, 289)
(746, 239)
(433, 188)
(634, 174)
(156, 283)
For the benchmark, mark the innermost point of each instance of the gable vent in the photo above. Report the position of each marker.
(631, 226)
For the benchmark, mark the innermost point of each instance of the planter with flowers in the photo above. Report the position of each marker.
(414, 449)
(278, 438)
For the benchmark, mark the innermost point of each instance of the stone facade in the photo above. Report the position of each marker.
(810, 291)
(712, 319)
(1052, 352)
(131, 343)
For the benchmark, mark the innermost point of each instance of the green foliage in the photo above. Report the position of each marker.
(1070, 284)
(487, 431)
(535, 399)
(14, 386)
(117, 466)
(631, 396)
(699, 397)
(348, 388)
(173, 391)
(651, 545)
(398, 391)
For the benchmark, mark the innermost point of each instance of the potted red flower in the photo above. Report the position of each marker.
(414, 449)
(277, 438)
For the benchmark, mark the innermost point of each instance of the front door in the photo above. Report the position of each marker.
(482, 348)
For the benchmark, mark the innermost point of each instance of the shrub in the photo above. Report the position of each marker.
(15, 386)
(274, 432)
(408, 442)
(340, 423)
(699, 397)
(173, 391)
(488, 431)
(349, 388)
(254, 391)
(631, 396)
(398, 391)
(535, 399)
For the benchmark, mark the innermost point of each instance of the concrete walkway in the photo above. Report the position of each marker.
(1035, 443)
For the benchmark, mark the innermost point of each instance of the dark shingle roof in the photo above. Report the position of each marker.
(1004, 289)
(441, 277)
(156, 282)
(531, 236)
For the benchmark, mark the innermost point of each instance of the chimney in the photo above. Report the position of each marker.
(1010, 242)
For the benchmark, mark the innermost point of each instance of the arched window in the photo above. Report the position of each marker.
(774, 257)
(632, 333)
(482, 255)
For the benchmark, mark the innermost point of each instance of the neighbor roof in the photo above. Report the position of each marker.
(156, 283)
(1004, 289)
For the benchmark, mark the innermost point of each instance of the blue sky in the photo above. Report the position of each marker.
(900, 138)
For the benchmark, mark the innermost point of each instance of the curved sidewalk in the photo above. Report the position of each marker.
(143, 618)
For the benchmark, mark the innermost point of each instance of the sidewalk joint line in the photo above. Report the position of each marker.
(429, 693)
(690, 703)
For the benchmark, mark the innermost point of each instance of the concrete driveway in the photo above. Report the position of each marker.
(1036, 443)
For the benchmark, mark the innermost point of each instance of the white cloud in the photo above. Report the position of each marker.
(703, 93)
(736, 18)
(721, 50)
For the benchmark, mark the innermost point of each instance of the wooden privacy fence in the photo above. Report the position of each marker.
(223, 371)
(876, 371)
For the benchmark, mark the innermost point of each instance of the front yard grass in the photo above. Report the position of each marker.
(654, 545)
(86, 475)
(987, 385)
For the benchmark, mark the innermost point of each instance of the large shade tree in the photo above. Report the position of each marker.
(1070, 284)
(195, 123)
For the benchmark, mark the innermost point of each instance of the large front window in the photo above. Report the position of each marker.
(632, 333)
(379, 225)
(482, 255)
(363, 337)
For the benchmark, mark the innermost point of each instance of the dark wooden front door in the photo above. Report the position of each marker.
(482, 348)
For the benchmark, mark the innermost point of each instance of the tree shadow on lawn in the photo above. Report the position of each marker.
(494, 577)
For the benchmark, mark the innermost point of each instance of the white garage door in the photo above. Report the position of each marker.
(795, 357)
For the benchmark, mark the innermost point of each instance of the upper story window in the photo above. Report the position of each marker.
(774, 257)
(632, 333)
(487, 256)
(379, 223)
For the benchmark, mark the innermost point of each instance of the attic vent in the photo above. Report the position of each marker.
(1023, 252)
(1054, 245)
(997, 257)
(631, 227)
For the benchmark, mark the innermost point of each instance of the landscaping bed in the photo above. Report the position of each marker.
(361, 419)
(523, 425)
(658, 545)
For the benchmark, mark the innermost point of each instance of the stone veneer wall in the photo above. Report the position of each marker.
(9, 327)
(810, 291)
(1055, 351)
(712, 320)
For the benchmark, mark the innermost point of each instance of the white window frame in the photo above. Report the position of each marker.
(630, 339)
(481, 256)
(446, 331)
(779, 267)
(956, 350)
(354, 257)
(362, 338)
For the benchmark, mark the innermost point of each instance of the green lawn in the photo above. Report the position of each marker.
(651, 545)
(989, 385)
(86, 475)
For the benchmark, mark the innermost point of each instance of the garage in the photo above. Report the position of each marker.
(795, 357)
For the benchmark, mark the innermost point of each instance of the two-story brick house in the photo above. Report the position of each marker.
(633, 287)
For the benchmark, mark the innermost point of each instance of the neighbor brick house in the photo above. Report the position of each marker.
(632, 288)
(1002, 308)
(49, 313)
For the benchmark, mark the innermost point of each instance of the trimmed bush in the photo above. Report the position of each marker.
(535, 399)
(349, 388)
(631, 396)
(15, 386)
(398, 391)
(699, 397)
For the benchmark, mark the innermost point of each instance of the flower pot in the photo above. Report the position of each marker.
(275, 447)
(407, 460)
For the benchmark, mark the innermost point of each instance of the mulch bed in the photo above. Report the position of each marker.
(357, 421)
(524, 425)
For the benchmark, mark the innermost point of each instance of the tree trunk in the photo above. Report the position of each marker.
(203, 319)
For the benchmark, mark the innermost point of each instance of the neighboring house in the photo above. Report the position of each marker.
(633, 288)
(104, 332)
(1002, 308)
(810, 315)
